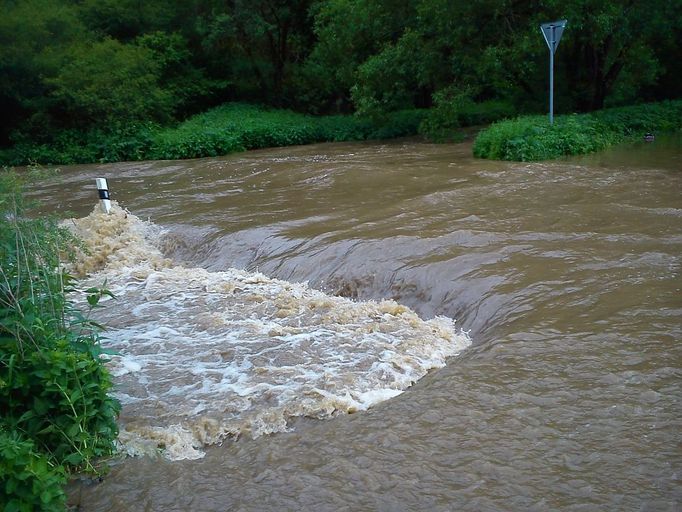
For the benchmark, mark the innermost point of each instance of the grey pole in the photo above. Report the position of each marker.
(552, 33)
(551, 82)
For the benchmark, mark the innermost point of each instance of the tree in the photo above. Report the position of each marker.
(611, 51)
(124, 20)
(611, 44)
(110, 82)
(256, 45)
(187, 85)
(478, 47)
(350, 33)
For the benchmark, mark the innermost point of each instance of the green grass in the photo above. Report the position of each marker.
(56, 416)
(531, 138)
(225, 129)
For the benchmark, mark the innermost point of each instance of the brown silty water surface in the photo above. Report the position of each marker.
(565, 274)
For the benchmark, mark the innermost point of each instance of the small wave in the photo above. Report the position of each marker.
(115, 240)
(203, 356)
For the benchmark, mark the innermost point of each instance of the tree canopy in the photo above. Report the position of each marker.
(79, 64)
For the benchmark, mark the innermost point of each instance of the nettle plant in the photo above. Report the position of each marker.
(56, 416)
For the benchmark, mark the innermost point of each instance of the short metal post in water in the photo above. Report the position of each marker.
(103, 191)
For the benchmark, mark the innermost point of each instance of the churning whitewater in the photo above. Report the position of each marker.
(202, 356)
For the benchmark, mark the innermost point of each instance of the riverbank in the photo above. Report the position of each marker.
(229, 128)
(532, 138)
(236, 127)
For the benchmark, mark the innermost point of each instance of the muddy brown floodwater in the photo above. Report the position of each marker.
(565, 274)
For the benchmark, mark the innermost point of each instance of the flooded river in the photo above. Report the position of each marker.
(558, 387)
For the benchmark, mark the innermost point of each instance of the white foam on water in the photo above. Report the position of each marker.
(203, 356)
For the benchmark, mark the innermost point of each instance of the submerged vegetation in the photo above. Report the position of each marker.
(56, 416)
(533, 138)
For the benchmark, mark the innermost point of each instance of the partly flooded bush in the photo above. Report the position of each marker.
(55, 412)
(397, 124)
(454, 108)
(533, 138)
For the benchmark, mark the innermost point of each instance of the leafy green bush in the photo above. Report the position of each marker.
(398, 124)
(120, 142)
(454, 108)
(225, 129)
(108, 81)
(53, 386)
(29, 481)
(472, 114)
(533, 138)
(388, 80)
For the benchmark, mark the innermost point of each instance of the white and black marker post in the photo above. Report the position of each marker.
(103, 191)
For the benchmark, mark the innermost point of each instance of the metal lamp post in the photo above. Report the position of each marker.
(552, 32)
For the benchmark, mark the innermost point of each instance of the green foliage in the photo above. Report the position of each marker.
(348, 32)
(29, 481)
(109, 81)
(35, 35)
(226, 129)
(443, 121)
(255, 45)
(533, 138)
(610, 52)
(389, 80)
(454, 108)
(119, 142)
(85, 71)
(186, 85)
(125, 20)
(53, 386)
(616, 50)
(236, 127)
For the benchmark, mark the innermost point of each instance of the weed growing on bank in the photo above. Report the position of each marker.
(56, 416)
(531, 138)
(225, 129)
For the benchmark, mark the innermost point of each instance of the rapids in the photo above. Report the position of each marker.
(564, 274)
(204, 355)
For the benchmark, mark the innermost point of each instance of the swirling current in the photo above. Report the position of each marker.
(390, 326)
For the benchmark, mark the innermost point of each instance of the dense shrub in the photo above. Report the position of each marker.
(533, 138)
(454, 108)
(226, 129)
(55, 412)
(130, 141)
(398, 124)
(29, 481)
(108, 81)
(443, 121)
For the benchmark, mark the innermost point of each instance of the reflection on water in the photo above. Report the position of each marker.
(566, 274)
